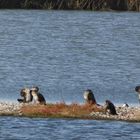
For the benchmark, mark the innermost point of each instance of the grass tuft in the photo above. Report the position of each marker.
(59, 110)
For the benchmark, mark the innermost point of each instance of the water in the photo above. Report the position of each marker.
(61, 129)
(64, 53)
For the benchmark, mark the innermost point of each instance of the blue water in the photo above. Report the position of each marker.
(64, 53)
(61, 129)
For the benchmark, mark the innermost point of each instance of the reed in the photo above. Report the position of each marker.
(102, 5)
(59, 110)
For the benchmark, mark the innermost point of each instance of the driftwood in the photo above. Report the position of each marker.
(118, 5)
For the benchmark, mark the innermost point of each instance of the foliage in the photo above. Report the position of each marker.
(59, 110)
(102, 5)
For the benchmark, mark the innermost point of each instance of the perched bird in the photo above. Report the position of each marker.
(37, 97)
(27, 96)
(109, 106)
(89, 97)
(125, 105)
(137, 89)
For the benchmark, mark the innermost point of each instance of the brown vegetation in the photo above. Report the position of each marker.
(62, 110)
(59, 110)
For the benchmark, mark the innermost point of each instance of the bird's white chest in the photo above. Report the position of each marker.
(35, 98)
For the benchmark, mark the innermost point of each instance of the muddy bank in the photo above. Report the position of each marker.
(95, 5)
(68, 111)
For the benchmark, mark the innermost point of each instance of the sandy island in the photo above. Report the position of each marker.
(131, 114)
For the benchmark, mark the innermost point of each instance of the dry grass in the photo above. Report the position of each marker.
(59, 110)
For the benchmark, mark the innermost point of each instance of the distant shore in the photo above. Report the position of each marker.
(131, 114)
(94, 5)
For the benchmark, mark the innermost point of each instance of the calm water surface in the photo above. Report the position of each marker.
(53, 129)
(64, 53)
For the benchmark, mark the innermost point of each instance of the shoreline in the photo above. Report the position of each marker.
(128, 114)
(92, 5)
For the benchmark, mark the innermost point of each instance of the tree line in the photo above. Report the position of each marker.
(95, 5)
